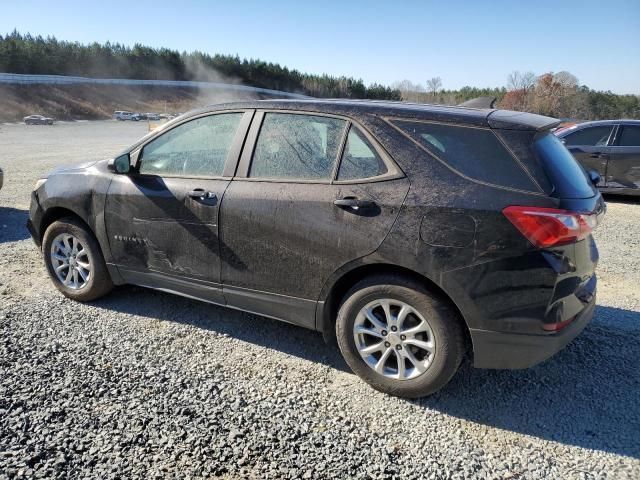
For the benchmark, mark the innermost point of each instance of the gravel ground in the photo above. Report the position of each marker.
(145, 384)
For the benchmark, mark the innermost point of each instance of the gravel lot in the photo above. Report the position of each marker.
(145, 384)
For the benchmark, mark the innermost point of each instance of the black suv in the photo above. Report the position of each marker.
(609, 147)
(412, 234)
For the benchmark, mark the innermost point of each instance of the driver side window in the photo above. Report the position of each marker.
(198, 148)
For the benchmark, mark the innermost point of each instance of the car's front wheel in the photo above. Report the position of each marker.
(399, 337)
(74, 261)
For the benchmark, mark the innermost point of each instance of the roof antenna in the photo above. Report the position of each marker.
(480, 102)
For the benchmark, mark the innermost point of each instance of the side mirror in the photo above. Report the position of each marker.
(121, 164)
(594, 177)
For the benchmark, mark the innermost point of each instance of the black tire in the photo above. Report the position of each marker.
(443, 320)
(99, 282)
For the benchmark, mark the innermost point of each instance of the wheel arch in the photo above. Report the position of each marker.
(56, 213)
(334, 295)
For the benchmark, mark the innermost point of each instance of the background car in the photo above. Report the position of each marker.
(122, 115)
(152, 116)
(609, 147)
(38, 120)
(410, 233)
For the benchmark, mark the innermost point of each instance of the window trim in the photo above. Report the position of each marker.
(540, 192)
(232, 157)
(244, 165)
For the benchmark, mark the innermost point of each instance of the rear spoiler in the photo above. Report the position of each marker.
(479, 102)
(509, 120)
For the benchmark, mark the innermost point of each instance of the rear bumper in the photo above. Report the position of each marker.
(514, 351)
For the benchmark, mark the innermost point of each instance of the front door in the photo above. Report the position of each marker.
(162, 219)
(295, 214)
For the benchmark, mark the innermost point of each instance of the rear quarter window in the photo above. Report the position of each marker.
(360, 160)
(567, 176)
(473, 152)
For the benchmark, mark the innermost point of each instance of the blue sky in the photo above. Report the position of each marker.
(463, 42)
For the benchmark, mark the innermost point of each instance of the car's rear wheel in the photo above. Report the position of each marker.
(399, 337)
(74, 261)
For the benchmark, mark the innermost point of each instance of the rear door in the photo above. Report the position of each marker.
(294, 213)
(162, 219)
(589, 146)
(624, 165)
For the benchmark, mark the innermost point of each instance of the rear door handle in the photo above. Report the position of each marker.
(354, 203)
(202, 194)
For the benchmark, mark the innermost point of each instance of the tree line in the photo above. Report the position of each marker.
(38, 55)
(554, 94)
(560, 95)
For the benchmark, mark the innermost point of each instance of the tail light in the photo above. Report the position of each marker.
(556, 327)
(550, 227)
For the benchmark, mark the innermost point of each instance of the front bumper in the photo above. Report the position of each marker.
(35, 218)
(515, 351)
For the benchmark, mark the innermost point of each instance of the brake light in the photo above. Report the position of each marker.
(549, 227)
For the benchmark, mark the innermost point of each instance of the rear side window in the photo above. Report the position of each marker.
(474, 152)
(567, 176)
(630, 136)
(291, 146)
(589, 137)
(360, 159)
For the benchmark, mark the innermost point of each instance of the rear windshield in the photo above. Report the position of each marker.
(474, 152)
(567, 176)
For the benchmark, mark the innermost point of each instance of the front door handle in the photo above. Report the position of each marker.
(352, 202)
(202, 194)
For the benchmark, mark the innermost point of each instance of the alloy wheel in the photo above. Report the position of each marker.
(394, 339)
(70, 261)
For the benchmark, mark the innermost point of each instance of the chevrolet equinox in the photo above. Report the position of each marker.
(412, 234)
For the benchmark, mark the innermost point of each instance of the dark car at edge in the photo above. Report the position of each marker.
(609, 147)
(414, 235)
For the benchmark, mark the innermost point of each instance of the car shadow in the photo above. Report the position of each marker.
(625, 199)
(584, 396)
(13, 224)
(266, 332)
